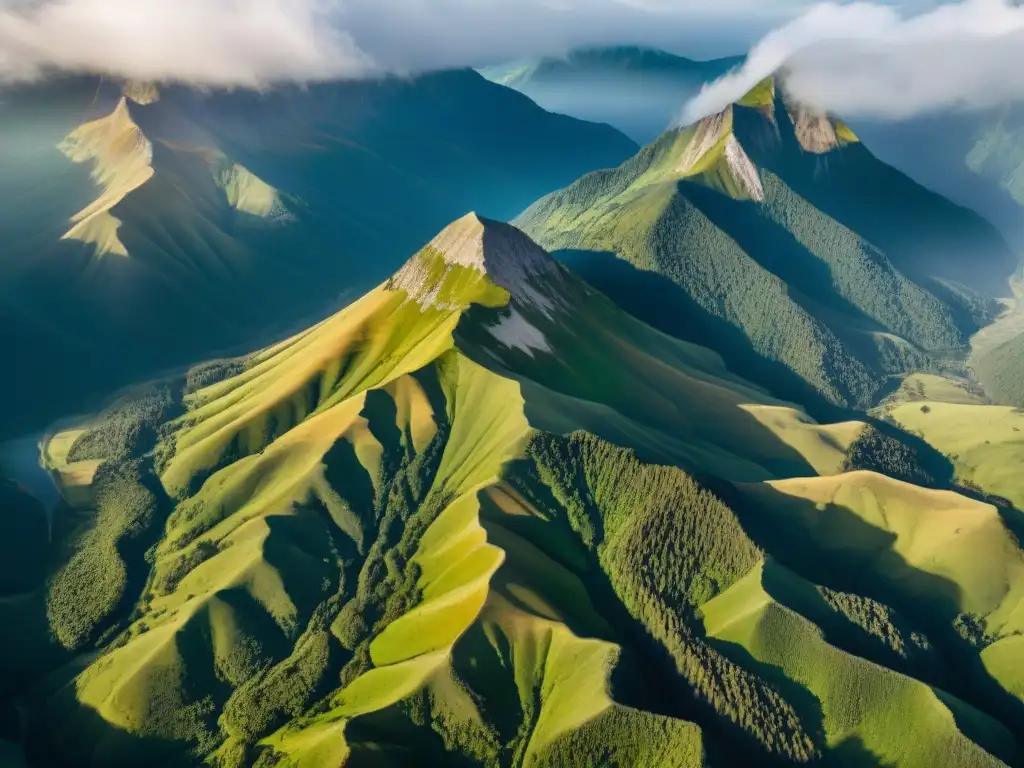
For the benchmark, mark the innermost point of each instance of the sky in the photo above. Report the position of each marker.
(862, 58)
(254, 42)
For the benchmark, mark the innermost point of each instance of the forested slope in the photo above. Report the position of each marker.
(785, 245)
(484, 517)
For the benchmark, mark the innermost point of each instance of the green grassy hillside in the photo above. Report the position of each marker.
(974, 158)
(985, 442)
(482, 516)
(772, 235)
(236, 217)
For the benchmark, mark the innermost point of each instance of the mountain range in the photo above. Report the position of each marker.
(482, 516)
(708, 458)
(971, 158)
(974, 158)
(229, 216)
(785, 244)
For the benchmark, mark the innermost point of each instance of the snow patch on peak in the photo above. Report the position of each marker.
(743, 170)
(516, 332)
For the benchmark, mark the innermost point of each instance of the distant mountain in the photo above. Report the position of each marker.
(149, 228)
(771, 234)
(482, 516)
(975, 159)
(640, 91)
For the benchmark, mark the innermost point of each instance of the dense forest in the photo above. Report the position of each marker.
(821, 282)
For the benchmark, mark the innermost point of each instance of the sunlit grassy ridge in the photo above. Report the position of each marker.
(864, 709)
(485, 517)
(236, 217)
(122, 158)
(985, 442)
(770, 234)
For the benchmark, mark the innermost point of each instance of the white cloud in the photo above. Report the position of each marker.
(254, 42)
(209, 42)
(872, 60)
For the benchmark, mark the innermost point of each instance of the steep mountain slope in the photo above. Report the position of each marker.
(998, 152)
(787, 247)
(638, 90)
(997, 357)
(484, 517)
(1000, 372)
(147, 229)
(975, 159)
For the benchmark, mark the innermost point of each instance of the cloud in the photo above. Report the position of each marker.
(866, 59)
(209, 42)
(256, 42)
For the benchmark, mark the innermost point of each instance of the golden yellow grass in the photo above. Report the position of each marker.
(246, 192)
(825, 447)
(938, 533)
(381, 343)
(122, 162)
(985, 442)
(924, 387)
(858, 699)
(74, 479)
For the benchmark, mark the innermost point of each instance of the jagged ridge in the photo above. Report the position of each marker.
(395, 538)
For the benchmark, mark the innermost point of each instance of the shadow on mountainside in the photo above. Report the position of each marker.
(924, 234)
(859, 558)
(650, 674)
(660, 303)
(778, 251)
(97, 743)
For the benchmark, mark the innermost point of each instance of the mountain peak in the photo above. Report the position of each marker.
(711, 153)
(493, 250)
(492, 247)
(122, 159)
(713, 149)
(140, 91)
(762, 97)
(816, 131)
